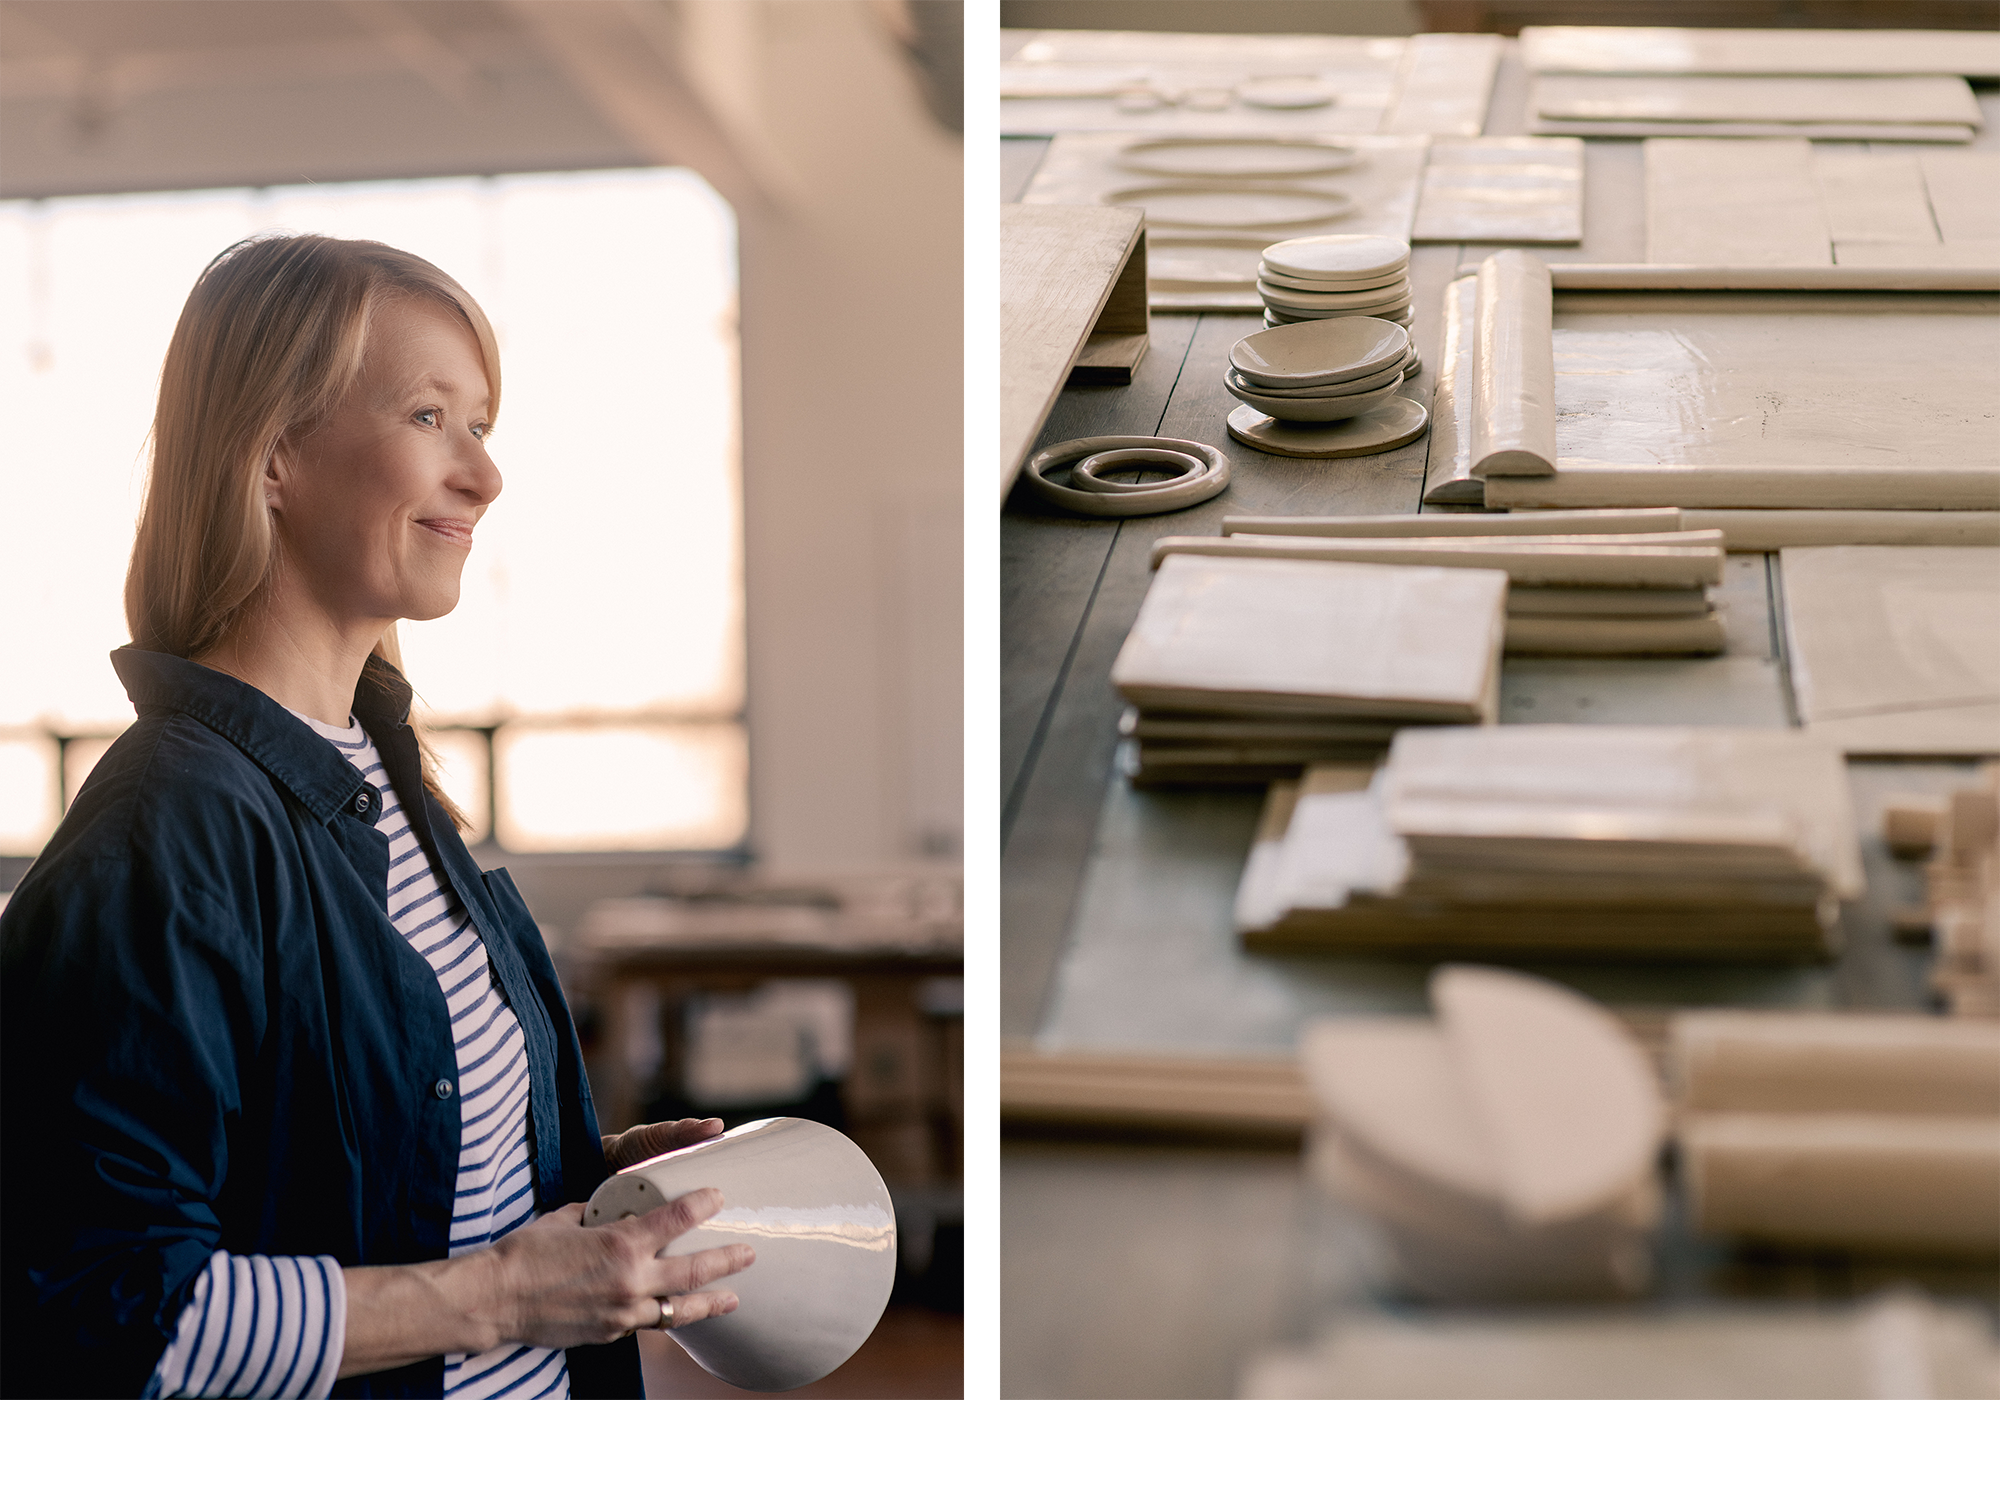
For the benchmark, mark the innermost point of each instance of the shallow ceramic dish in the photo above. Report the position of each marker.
(1247, 388)
(1277, 315)
(1395, 422)
(1338, 255)
(1265, 272)
(1315, 409)
(1357, 302)
(1320, 352)
(814, 1208)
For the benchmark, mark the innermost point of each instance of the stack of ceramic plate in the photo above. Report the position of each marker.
(1304, 385)
(1335, 276)
(1238, 668)
(1586, 839)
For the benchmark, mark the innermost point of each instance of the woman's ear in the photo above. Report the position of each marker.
(279, 466)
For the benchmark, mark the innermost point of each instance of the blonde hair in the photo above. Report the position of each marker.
(270, 342)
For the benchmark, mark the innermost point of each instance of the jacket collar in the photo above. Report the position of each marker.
(286, 749)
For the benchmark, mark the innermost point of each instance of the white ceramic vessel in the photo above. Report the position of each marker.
(1338, 256)
(816, 1211)
(1288, 408)
(1321, 351)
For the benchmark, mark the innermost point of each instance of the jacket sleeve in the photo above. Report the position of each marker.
(133, 1000)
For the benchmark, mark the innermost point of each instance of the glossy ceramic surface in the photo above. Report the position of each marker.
(1321, 351)
(1360, 386)
(1125, 499)
(1315, 408)
(1090, 470)
(1395, 422)
(1234, 157)
(1278, 317)
(1267, 272)
(1396, 294)
(1224, 205)
(1337, 255)
(816, 1211)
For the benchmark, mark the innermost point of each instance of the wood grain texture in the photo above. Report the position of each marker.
(1058, 266)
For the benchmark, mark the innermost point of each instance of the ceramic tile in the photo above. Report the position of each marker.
(1733, 203)
(1509, 188)
(1686, 100)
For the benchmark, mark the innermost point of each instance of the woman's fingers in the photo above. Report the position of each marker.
(695, 1306)
(643, 1142)
(669, 1222)
(684, 1273)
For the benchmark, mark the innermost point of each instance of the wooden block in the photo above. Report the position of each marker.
(1571, 1106)
(1910, 826)
(1749, 1062)
(1922, 1184)
(1159, 1090)
(1059, 266)
(1733, 203)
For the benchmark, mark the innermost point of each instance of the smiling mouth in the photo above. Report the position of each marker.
(452, 531)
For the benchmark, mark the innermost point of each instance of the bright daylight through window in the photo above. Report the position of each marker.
(587, 693)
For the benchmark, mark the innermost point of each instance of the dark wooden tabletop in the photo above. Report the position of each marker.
(1131, 1270)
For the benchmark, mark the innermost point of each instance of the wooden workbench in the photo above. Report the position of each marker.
(1116, 904)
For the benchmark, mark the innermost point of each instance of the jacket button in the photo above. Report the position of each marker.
(442, 1088)
(361, 802)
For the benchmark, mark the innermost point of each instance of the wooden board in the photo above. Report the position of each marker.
(1893, 647)
(1060, 269)
(1667, 101)
(1733, 203)
(1204, 269)
(1673, 49)
(1514, 189)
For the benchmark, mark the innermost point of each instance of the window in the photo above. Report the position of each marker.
(587, 694)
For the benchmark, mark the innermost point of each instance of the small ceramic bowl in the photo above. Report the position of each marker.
(1380, 380)
(1323, 409)
(1393, 295)
(1320, 351)
(1315, 284)
(814, 1208)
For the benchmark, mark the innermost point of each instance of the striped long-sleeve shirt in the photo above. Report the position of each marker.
(219, 1344)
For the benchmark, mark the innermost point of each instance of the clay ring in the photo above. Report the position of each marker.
(1119, 460)
(1129, 500)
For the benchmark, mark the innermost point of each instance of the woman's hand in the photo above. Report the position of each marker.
(558, 1282)
(553, 1284)
(644, 1142)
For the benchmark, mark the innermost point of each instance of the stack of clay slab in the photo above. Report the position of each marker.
(1865, 1133)
(1581, 583)
(1240, 668)
(1962, 890)
(1335, 276)
(1610, 840)
(1507, 1148)
(1899, 1346)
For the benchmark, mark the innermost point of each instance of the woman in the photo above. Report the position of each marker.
(293, 1102)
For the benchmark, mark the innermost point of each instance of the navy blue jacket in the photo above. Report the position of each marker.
(211, 1036)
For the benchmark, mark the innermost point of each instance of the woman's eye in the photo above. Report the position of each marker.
(429, 414)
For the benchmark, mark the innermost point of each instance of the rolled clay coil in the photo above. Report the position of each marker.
(1087, 475)
(1129, 500)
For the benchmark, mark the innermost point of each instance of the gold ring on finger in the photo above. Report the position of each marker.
(666, 1314)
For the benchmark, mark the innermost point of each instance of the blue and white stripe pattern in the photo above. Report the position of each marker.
(261, 1326)
(495, 1188)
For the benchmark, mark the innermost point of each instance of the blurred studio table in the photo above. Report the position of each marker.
(1133, 1270)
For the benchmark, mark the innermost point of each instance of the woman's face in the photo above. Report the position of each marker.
(376, 505)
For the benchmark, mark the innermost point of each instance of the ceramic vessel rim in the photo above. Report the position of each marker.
(1398, 253)
(1327, 368)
